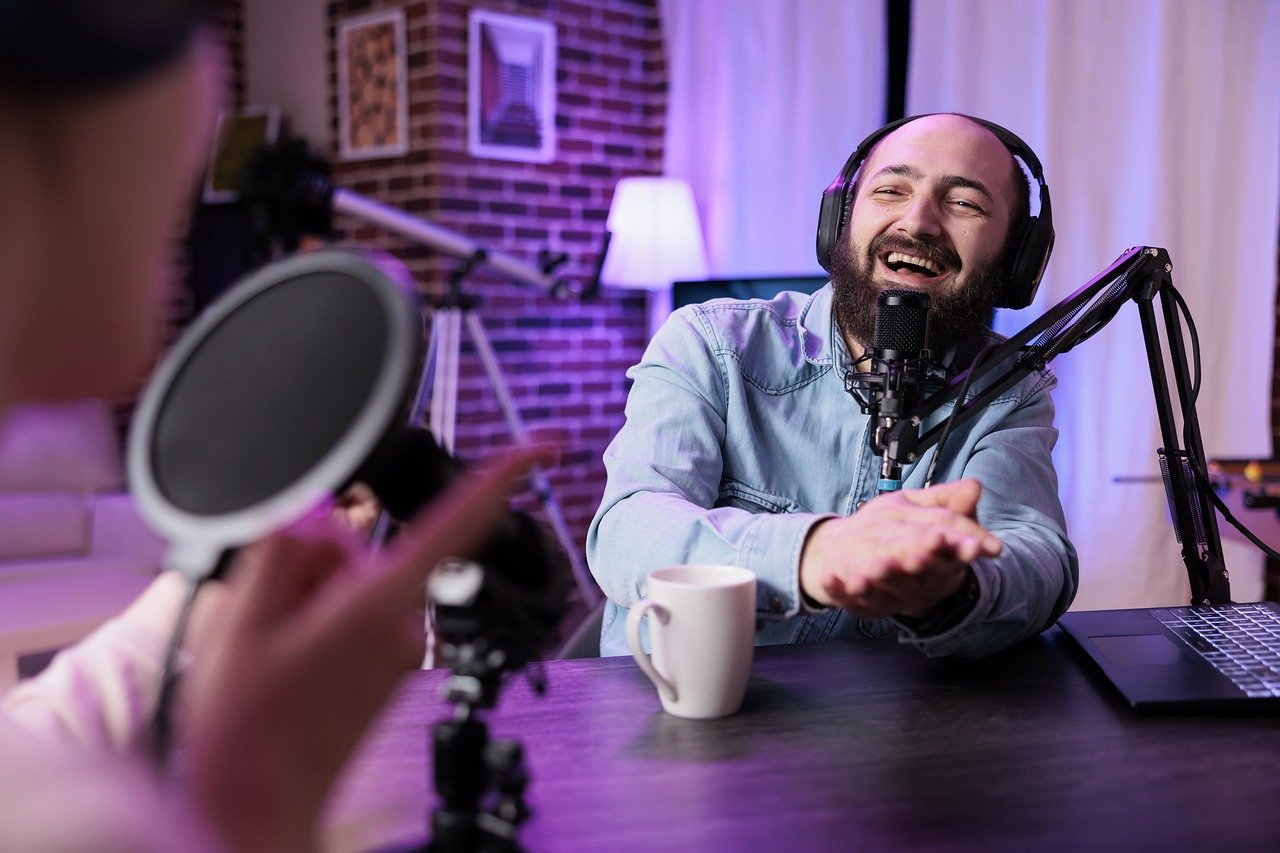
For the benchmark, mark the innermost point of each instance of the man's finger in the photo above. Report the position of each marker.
(272, 576)
(959, 497)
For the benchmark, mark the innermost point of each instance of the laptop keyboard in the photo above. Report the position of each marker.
(1242, 641)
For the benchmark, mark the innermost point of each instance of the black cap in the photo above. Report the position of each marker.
(77, 45)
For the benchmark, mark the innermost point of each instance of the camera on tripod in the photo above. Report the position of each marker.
(491, 622)
(494, 614)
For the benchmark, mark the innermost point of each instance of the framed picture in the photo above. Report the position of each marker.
(511, 87)
(373, 110)
(238, 135)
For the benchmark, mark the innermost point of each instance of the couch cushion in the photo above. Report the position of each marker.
(117, 530)
(17, 570)
(69, 446)
(39, 613)
(43, 523)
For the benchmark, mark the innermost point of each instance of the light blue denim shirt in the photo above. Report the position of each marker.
(740, 436)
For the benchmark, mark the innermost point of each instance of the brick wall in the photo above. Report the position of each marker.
(564, 361)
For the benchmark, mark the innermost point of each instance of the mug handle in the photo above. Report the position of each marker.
(634, 617)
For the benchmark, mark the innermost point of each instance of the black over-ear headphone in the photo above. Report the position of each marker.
(1034, 244)
(82, 45)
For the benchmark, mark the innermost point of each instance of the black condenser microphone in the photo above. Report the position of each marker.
(899, 358)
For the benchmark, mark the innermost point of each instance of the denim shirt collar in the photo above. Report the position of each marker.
(822, 343)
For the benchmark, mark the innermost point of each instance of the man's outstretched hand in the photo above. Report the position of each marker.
(310, 639)
(902, 554)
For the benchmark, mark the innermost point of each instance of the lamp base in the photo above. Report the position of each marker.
(659, 304)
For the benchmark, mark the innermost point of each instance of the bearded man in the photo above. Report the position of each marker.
(742, 446)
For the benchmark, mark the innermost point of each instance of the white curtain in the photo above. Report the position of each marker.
(767, 98)
(1158, 123)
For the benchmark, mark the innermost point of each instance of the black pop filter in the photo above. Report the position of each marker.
(272, 400)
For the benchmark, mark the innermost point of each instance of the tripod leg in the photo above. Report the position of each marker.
(444, 397)
(426, 383)
(542, 485)
(461, 777)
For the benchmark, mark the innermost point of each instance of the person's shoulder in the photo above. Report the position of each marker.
(739, 320)
(763, 340)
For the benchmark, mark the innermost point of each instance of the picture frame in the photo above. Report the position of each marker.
(237, 135)
(511, 87)
(373, 109)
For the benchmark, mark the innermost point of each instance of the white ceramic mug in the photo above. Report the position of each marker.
(702, 632)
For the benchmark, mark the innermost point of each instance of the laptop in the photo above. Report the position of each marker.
(1212, 656)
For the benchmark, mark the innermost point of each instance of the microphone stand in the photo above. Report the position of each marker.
(1140, 274)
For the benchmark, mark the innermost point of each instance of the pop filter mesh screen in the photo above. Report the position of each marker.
(269, 392)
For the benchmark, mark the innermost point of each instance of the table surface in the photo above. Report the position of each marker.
(843, 745)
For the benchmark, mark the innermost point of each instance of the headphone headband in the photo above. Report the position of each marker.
(1034, 244)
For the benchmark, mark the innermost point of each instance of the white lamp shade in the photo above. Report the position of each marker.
(657, 238)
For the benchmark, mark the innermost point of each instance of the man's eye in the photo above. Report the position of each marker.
(888, 191)
(966, 204)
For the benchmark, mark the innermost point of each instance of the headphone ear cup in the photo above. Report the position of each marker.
(1028, 264)
(832, 218)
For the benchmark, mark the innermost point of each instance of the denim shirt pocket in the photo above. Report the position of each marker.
(739, 495)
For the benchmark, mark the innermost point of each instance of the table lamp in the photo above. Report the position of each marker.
(656, 239)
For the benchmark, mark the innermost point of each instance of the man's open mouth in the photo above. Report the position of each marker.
(903, 262)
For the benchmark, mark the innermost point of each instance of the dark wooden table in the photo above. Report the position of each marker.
(845, 746)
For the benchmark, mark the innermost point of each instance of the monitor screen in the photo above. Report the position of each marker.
(762, 287)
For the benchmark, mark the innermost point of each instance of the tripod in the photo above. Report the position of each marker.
(439, 383)
(439, 388)
(481, 782)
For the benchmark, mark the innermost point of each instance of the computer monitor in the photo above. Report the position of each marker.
(761, 287)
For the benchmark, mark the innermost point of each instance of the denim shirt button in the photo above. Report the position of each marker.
(775, 602)
(859, 505)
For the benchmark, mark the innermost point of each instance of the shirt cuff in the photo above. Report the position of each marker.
(949, 612)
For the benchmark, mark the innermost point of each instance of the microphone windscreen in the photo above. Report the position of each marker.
(269, 392)
(272, 399)
(902, 324)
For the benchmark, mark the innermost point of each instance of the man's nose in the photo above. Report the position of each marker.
(923, 217)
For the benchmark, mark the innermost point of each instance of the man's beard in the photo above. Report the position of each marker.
(954, 315)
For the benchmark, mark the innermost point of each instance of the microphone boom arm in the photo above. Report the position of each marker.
(1139, 275)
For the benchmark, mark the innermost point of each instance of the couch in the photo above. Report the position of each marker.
(73, 550)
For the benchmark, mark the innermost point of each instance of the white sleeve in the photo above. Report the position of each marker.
(101, 692)
(56, 797)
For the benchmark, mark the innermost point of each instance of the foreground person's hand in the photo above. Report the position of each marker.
(312, 639)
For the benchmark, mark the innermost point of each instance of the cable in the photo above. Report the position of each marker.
(162, 718)
(1198, 466)
(1195, 340)
(951, 419)
(1047, 346)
